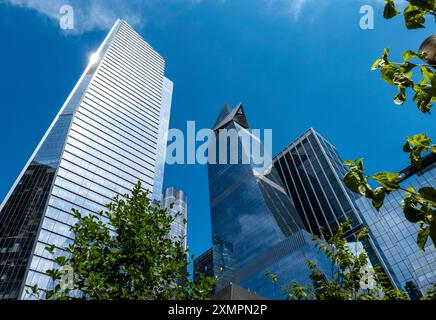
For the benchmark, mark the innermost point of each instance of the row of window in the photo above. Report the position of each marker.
(108, 160)
(93, 141)
(118, 97)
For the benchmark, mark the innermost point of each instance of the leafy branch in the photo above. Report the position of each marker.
(400, 75)
(419, 206)
(414, 13)
(416, 146)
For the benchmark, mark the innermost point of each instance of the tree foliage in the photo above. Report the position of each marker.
(419, 205)
(431, 293)
(415, 12)
(125, 252)
(401, 76)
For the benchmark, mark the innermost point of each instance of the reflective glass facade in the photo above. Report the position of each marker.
(254, 223)
(312, 171)
(204, 264)
(176, 202)
(286, 259)
(108, 135)
(397, 236)
(165, 112)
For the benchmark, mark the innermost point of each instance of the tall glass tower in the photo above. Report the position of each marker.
(254, 223)
(312, 171)
(110, 133)
(176, 202)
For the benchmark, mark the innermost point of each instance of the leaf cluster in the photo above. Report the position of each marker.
(414, 13)
(125, 252)
(401, 76)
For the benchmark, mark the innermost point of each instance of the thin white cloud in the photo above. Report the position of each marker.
(297, 6)
(294, 8)
(90, 14)
(101, 14)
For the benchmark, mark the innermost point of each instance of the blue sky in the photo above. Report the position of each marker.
(294, 64)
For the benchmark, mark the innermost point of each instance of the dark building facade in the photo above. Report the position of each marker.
(255, 225)
(204, 265)
(235, 292)
(311, 171)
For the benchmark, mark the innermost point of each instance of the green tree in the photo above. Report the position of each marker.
(419, 205)
(431, 293)
(351, 277)
(125, 252)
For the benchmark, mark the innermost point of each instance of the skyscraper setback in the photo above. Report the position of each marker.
(110, 133)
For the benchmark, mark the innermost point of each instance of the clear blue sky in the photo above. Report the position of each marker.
(292, 66)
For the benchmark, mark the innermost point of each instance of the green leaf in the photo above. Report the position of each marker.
(427, 73)
(428, 193)
(386, 55)
(409, 54)
(378, 198)
(61, 260)
(390, 11)
(423, 235)
(353, 180)
(378, 63)
(416, 145)
(388, 73)
(50, 249)
(54, 274)
(406, 68)
(365, 190)
(362, 234)
(432, 233)
(406, 147)
(273, 277)
(389, 181)
(412, 214)
(433, 82)
(349, 163)
(35, 289)
(414, 17)
(401, 97)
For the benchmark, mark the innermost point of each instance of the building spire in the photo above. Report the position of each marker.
(225, 111)
(228, 115)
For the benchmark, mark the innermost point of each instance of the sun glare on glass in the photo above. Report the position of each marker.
(93, 58)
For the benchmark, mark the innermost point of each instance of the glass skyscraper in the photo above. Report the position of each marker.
(312, 171)
(255, 226)
(176, 202)
(110, 133)
(397, 237)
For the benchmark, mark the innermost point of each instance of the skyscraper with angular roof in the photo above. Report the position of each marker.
(255, 225)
